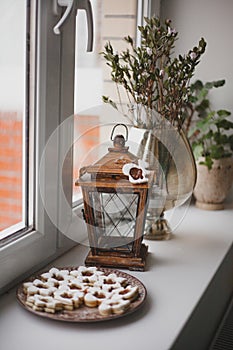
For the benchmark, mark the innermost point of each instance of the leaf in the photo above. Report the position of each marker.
(205, 124)
(208, 162)
(128, 39)
(224, 124)
(217, 151)
(202, 94)
(202, 44)
(192, 131)
(209, 135)
(106, 99)
(202, 108)
(193, 99)
(209, 85)
(197, 85)
(219, 83)
(220, 138)
(198, 150)
(223, 113)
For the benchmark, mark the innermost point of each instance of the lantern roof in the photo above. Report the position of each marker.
(112, 162)
(109, 168)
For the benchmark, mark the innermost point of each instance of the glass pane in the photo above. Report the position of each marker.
(113, 20)
(115, 217)
(12, 114)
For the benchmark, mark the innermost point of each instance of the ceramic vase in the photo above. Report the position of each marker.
(213, 184)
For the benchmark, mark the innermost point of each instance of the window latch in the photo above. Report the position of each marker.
(86, 6)
(79, 5)
(64, 3)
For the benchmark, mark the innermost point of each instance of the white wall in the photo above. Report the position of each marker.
(211, 19)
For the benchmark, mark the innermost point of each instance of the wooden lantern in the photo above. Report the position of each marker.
(115, 209)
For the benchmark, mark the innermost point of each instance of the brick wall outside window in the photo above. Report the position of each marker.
(11, 161)
(87, 137)
(10, 168)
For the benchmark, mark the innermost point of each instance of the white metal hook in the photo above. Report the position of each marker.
(65, 3)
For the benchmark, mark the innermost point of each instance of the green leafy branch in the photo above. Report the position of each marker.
(209, 131)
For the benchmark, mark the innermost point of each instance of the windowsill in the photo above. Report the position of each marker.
(181, 279)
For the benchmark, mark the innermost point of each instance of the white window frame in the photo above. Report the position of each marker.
(50, 105)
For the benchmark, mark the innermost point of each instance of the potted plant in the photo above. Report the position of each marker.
(155, 85)
(211, 135)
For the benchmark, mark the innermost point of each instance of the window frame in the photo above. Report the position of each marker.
(51, 102)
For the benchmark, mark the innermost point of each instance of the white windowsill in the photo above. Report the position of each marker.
(177, 275)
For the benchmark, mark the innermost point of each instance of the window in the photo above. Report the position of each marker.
(49, 100)
(13, 117)
(112, 22)
(48, 104)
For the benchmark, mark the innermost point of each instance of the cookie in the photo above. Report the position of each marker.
(113, 306)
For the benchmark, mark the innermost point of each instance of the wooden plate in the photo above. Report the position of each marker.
(84, 313)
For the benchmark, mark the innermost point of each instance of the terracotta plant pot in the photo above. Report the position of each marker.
(213, 185)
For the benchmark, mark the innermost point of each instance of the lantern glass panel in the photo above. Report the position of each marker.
(115, 217)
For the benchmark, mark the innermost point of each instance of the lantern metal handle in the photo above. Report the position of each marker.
(126, 129)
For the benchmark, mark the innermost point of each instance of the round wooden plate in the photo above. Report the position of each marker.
(84, 313)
